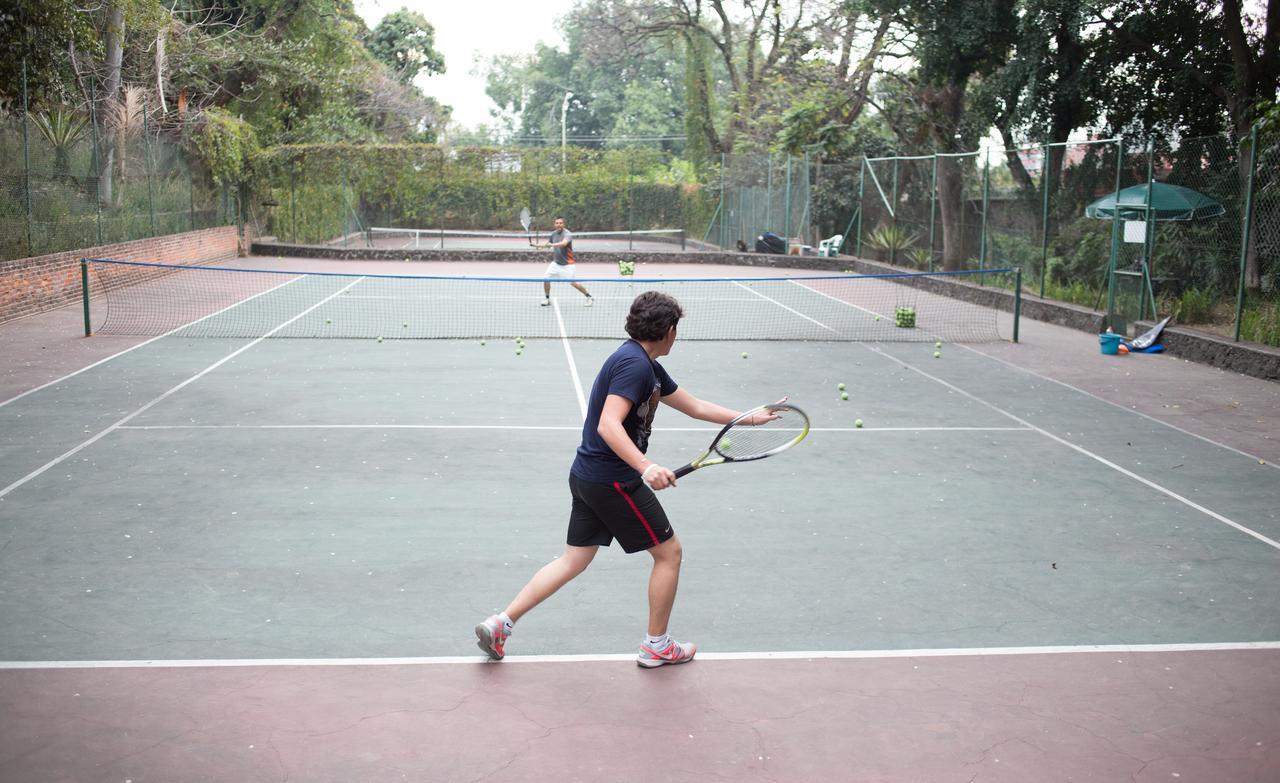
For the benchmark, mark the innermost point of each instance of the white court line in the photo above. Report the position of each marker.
(573, 366)
(784, 655)
(536, 427)
(1148, 482)
(1099, 458)
(182, 385)
(784, 307)
(1149, 417)
(153, 339)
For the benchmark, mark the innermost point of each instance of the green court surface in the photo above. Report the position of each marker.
(310, 498)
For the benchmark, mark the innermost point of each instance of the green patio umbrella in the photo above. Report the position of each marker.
(1168, 202)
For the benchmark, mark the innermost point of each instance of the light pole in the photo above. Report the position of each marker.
(564, 112)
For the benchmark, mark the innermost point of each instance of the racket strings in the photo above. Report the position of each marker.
(745, 442)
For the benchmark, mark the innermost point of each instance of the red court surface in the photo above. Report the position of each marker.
(1084, 716)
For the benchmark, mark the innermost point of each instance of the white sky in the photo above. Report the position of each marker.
(467, 29)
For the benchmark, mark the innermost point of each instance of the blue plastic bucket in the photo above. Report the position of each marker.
(1110, 343)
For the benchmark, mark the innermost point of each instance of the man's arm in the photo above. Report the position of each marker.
(616, 408)
(702, 410)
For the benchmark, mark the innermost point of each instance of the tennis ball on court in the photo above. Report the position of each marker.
(379, 339)
(938, 344)
(519, 351)
(857, 423)
(877, 318)
(482, 342)
(328, 320)
(844, 395)
(744, 354)
(937, 354)
(405, 324)
(840, 386)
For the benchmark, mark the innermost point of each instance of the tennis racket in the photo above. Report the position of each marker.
(526, 220)
(739, 441)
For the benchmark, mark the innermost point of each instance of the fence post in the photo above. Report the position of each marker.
(786, 208)
(862, 164)
(893, 213)
(97, 169)
(986, 190)
(1115, 234)
(933, 209)
(26, 156)
(1148, 241)
(1248, 225)
(1046, 179)
(146, 152)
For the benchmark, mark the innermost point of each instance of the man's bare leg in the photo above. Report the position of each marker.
(550, 578)
(663, 582)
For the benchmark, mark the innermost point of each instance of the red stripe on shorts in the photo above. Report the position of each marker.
(618, 487)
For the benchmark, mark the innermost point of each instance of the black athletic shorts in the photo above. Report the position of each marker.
(603, 512)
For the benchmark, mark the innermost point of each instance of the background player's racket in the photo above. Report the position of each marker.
(526, 220)
(742, 442)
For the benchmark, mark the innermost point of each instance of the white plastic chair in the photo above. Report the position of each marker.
(830, 247)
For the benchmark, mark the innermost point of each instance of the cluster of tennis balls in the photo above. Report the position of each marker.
(519, 345)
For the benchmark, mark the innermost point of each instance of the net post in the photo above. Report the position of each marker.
(84, 295)
(1017, 300)
(1248, 226)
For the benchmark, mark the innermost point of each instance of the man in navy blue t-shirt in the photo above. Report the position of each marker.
(615, 437)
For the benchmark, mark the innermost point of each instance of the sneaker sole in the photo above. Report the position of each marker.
(484, 640)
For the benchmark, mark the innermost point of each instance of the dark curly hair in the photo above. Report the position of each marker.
(652, 315)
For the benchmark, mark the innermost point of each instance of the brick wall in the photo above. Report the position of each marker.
(40, 283)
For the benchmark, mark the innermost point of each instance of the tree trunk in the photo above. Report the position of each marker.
(114, 46)
(946, 104)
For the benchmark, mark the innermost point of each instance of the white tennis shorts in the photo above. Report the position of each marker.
(562, 272)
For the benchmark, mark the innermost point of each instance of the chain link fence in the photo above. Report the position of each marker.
(762, 193)
(330, 193)
(70, 180)
(1214, 266)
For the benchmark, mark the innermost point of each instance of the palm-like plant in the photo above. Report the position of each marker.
(63, 129)
(890, 239)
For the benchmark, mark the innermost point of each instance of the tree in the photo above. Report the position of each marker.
(757, 42)
(955, 41)
(1190, 65)
(39, 33)
(404, 41)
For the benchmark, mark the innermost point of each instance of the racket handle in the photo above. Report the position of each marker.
(686, 470)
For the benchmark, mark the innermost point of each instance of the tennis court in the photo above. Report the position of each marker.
(252, 543)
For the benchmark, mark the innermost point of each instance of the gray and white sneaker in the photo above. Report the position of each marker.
(675, 652)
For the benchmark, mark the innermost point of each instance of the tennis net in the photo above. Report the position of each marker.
(661, 240)
(196, 301)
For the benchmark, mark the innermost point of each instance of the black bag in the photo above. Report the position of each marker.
(769, 242)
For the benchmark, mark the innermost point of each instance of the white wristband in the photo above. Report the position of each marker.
(645, 475)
